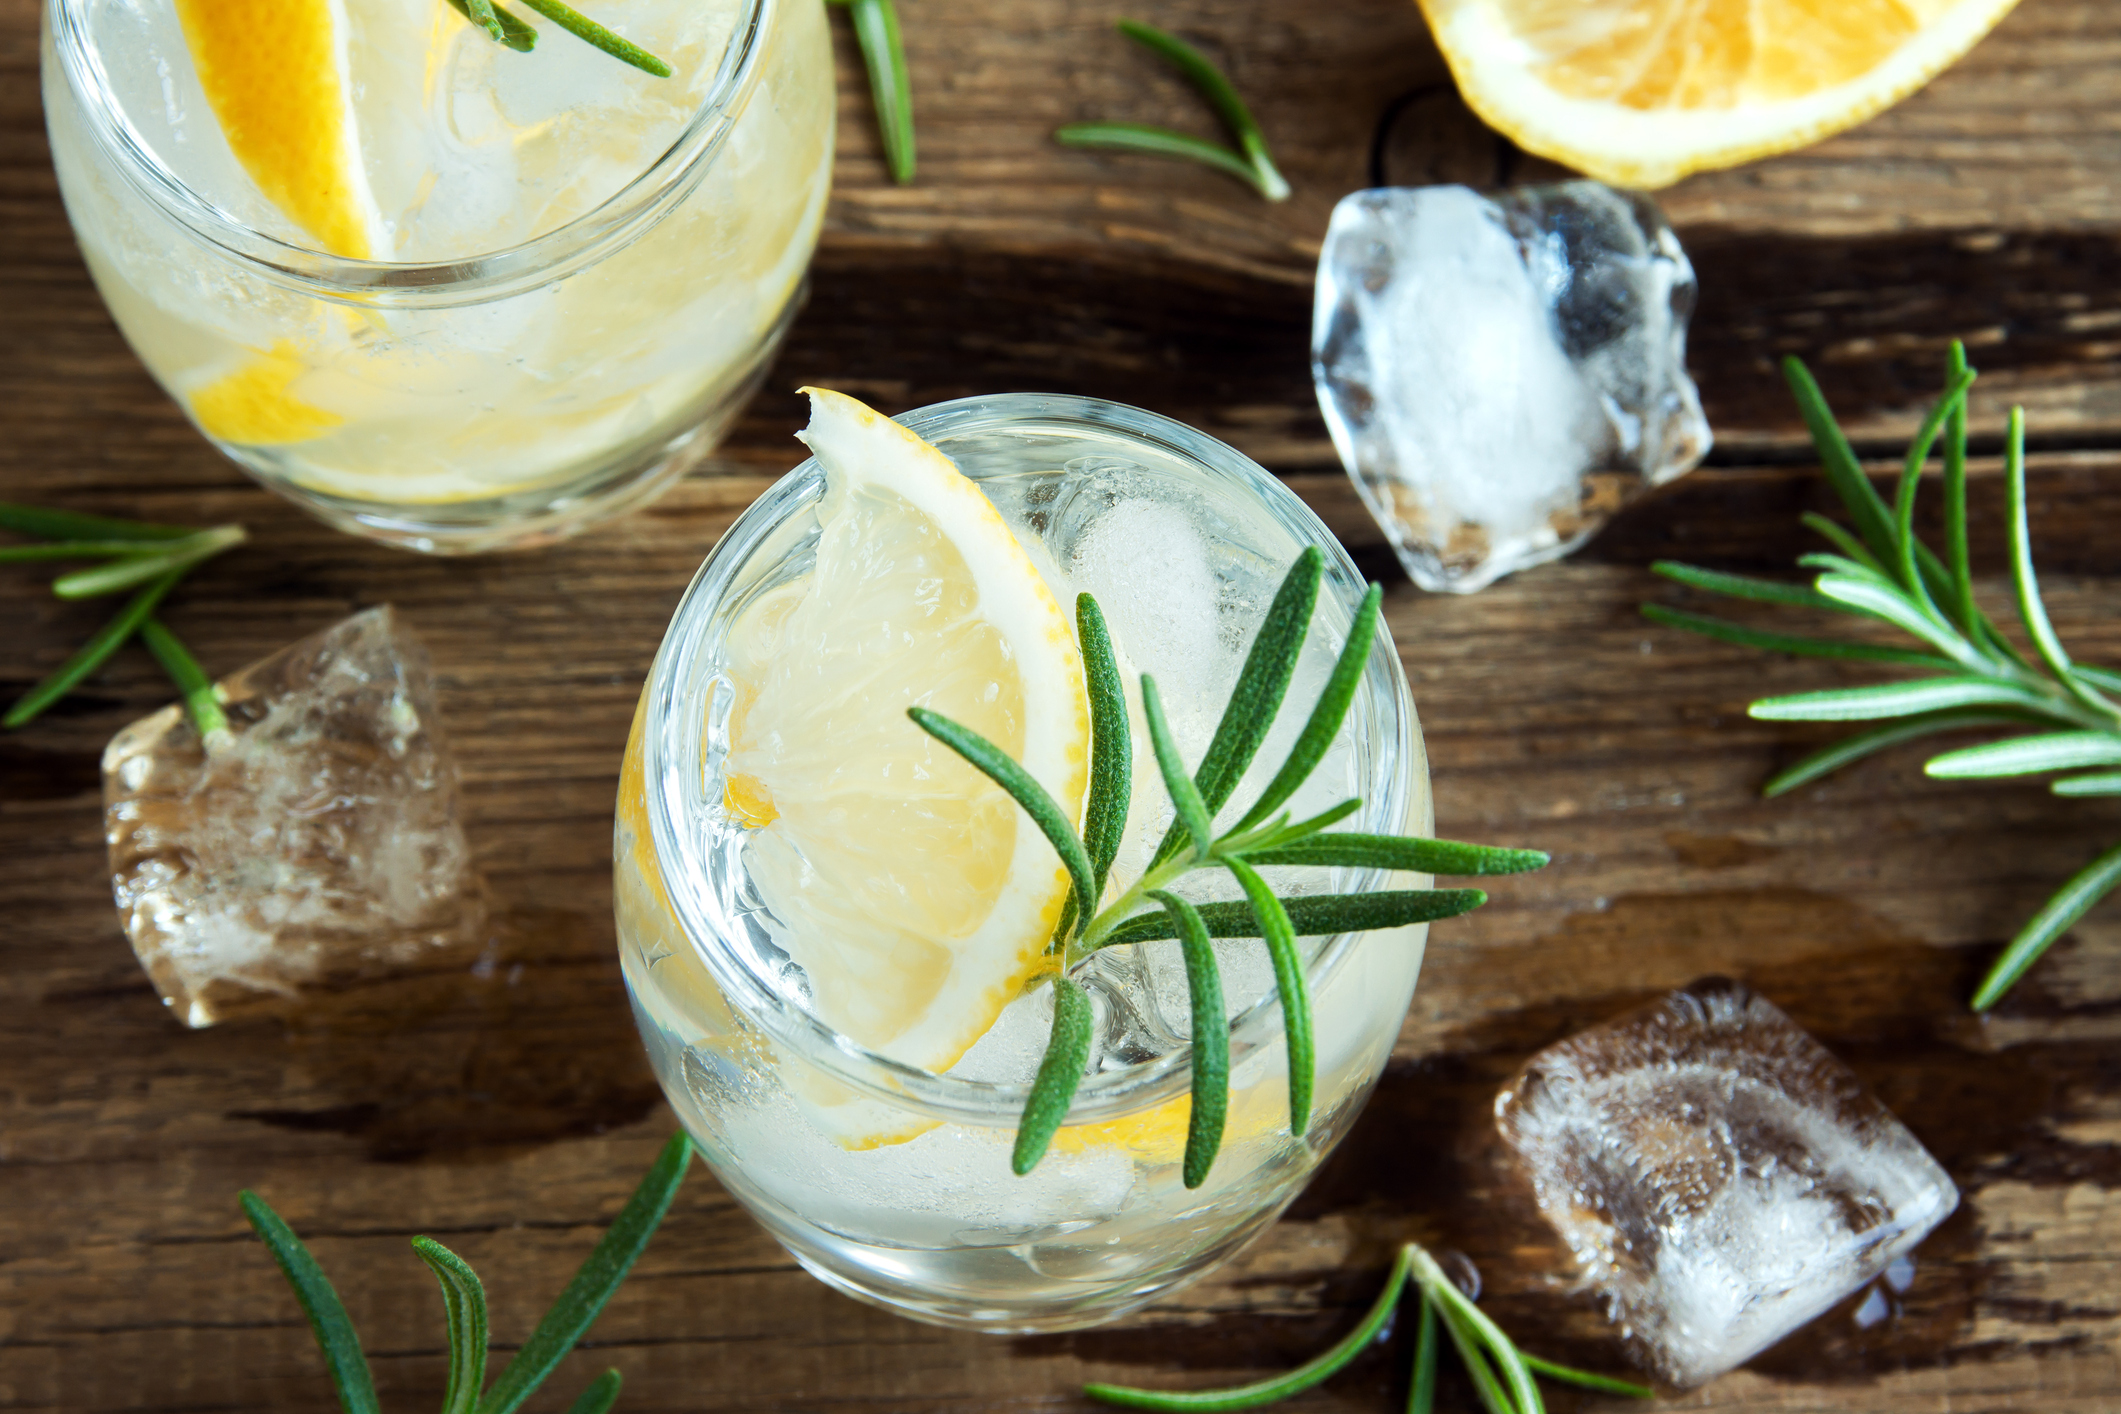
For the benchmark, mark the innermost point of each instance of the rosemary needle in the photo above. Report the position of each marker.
(1249, 162)
(92, 654)
(876, 32)
(582, 27)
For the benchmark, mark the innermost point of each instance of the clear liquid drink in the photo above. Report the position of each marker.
(893, 1183)
(574, 272)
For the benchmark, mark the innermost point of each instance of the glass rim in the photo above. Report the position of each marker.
(467, 279)
(673, 726)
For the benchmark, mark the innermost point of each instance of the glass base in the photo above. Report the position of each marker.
(894, 1280)
(629, 476)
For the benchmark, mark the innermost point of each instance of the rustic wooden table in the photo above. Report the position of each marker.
(509, 1115)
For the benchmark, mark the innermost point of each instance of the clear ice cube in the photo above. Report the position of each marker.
(1501, 375)
(1721, 1178)
(316, 845)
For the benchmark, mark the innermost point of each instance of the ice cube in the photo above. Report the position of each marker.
(1501, 375)
(1721, 1178)
(317, 845)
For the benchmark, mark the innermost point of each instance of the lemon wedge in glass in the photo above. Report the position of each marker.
(914, 893)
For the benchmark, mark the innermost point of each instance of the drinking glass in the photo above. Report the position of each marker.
(891, 1183)
(572, 311)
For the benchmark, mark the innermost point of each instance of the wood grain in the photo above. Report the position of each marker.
(508, 1114)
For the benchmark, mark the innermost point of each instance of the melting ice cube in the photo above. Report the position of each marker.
(1501, 375)
(318, 845)
(1720, 1176)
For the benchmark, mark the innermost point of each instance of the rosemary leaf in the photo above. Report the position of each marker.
(1486, 1384)
(1353, 851)
(1421, 1387)
(1584, 1379)
(2098, 677)
(2027, 755)
(890, 82)
(1158, 142)
(584, 28)
(1895, 699)
(1880, 600)
(72, 525)
(193, 685)
(1280, 936)
(1059, 1075)
(579, 1305)
(1961, 599)
(2098, 783)
(464, 1305)
(1209, 82)
(511, 31)
(1918, 453)
(1839, 460)
(1304, 829)
(994, 763)
(2070, 903)
(1867, 743)
(2025, 584)
(1313, 915)
(320, 1302)
(92, 654)
(482, 15)
(1111, 744)
(173, 555)
(1314, 1371)
(1739, 586)
(1211, 1038)
(603, 1392)
(1859, 567)
(1326, 717)
(1745, 637)
(1192, 813)
(1261, 684)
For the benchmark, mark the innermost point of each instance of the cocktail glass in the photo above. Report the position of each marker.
(891, 1183)
(583, 270)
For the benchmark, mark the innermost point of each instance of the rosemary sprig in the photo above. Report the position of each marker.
(890, 82)
(464, 1304)
(1978, 679)
(1501, 1373)
(506, 29)
(1147, 909)
(1249, 161)
(134, 553)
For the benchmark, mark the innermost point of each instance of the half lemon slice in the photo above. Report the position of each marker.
(1642, 92)
(915, 895)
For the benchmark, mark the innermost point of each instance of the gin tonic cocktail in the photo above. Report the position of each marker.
(439, 290)
(834, 941)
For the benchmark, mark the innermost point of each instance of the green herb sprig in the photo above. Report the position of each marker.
(1975, 678)
(1501, 1373)
(464, 1304)
(1249, 161)
(1256, 841)
(876, 31)
(505, 29)
(139, 555)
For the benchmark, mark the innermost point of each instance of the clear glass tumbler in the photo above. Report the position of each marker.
(928, 1219)
(583, 270)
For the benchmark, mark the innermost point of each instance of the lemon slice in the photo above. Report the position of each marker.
(1642, 92)
(913, 892)
(274, 72)
(255, 405)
